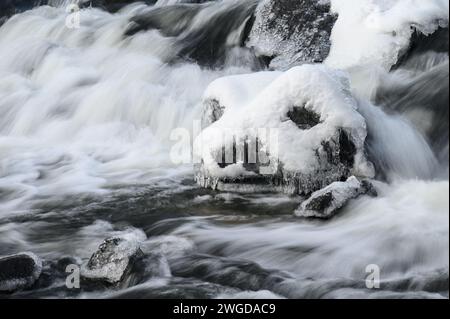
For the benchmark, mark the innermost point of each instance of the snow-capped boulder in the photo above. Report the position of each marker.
(19, 271)
(292, 32)
(326, 202)
(294, 132)
(113, 260)
(377, 33)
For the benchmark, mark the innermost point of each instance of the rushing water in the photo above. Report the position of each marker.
(85, 121)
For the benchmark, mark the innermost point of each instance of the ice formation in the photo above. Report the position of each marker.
(295, 132)
(111, 261)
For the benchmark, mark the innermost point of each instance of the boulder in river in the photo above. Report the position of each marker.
(113, 260)
(326, 202)
(294, 132)
(19, 271)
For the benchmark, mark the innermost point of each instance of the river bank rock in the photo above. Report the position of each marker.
(326, 202)
(19, 271)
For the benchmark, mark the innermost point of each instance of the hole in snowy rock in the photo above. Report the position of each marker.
(303, 118)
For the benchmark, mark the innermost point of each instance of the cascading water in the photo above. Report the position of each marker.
(86, 116)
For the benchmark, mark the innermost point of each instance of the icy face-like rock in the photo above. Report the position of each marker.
(292, 32)
(294, 132)
(19, 271)
(112, 261)
(326, 202)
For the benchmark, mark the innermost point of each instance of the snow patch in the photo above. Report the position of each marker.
(374, 32)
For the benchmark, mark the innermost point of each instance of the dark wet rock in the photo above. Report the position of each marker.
(19, 271)
(421, 43)
(326, 202)
(292, 32)
(146, 267)
(113, 261)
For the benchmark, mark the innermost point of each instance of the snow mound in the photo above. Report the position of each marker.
(374, 32)
(295, 132)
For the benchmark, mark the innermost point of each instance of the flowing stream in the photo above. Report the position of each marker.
(86, 116)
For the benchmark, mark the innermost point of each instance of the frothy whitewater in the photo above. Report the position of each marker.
(86, 116)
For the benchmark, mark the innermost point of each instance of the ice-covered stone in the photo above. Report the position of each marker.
(326, 202)
(19, 271)
(112, 261)
(376, 33)
(292, 32)
(294, 132)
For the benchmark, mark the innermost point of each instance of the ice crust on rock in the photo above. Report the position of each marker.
(326, 202)
(306, 157)
(111, 262)
(292, 32)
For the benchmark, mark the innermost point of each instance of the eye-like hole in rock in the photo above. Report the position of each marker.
(303, 118)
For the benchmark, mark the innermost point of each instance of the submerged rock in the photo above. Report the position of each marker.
(292, 32)
(19, 271)
(326, 202)
(113, 260)
(294, 132)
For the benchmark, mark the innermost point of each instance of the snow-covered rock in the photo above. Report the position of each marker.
(294, 132)
(112, 261)
(326, 202)
(19, 271)
(375, 33)
(292, 32)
